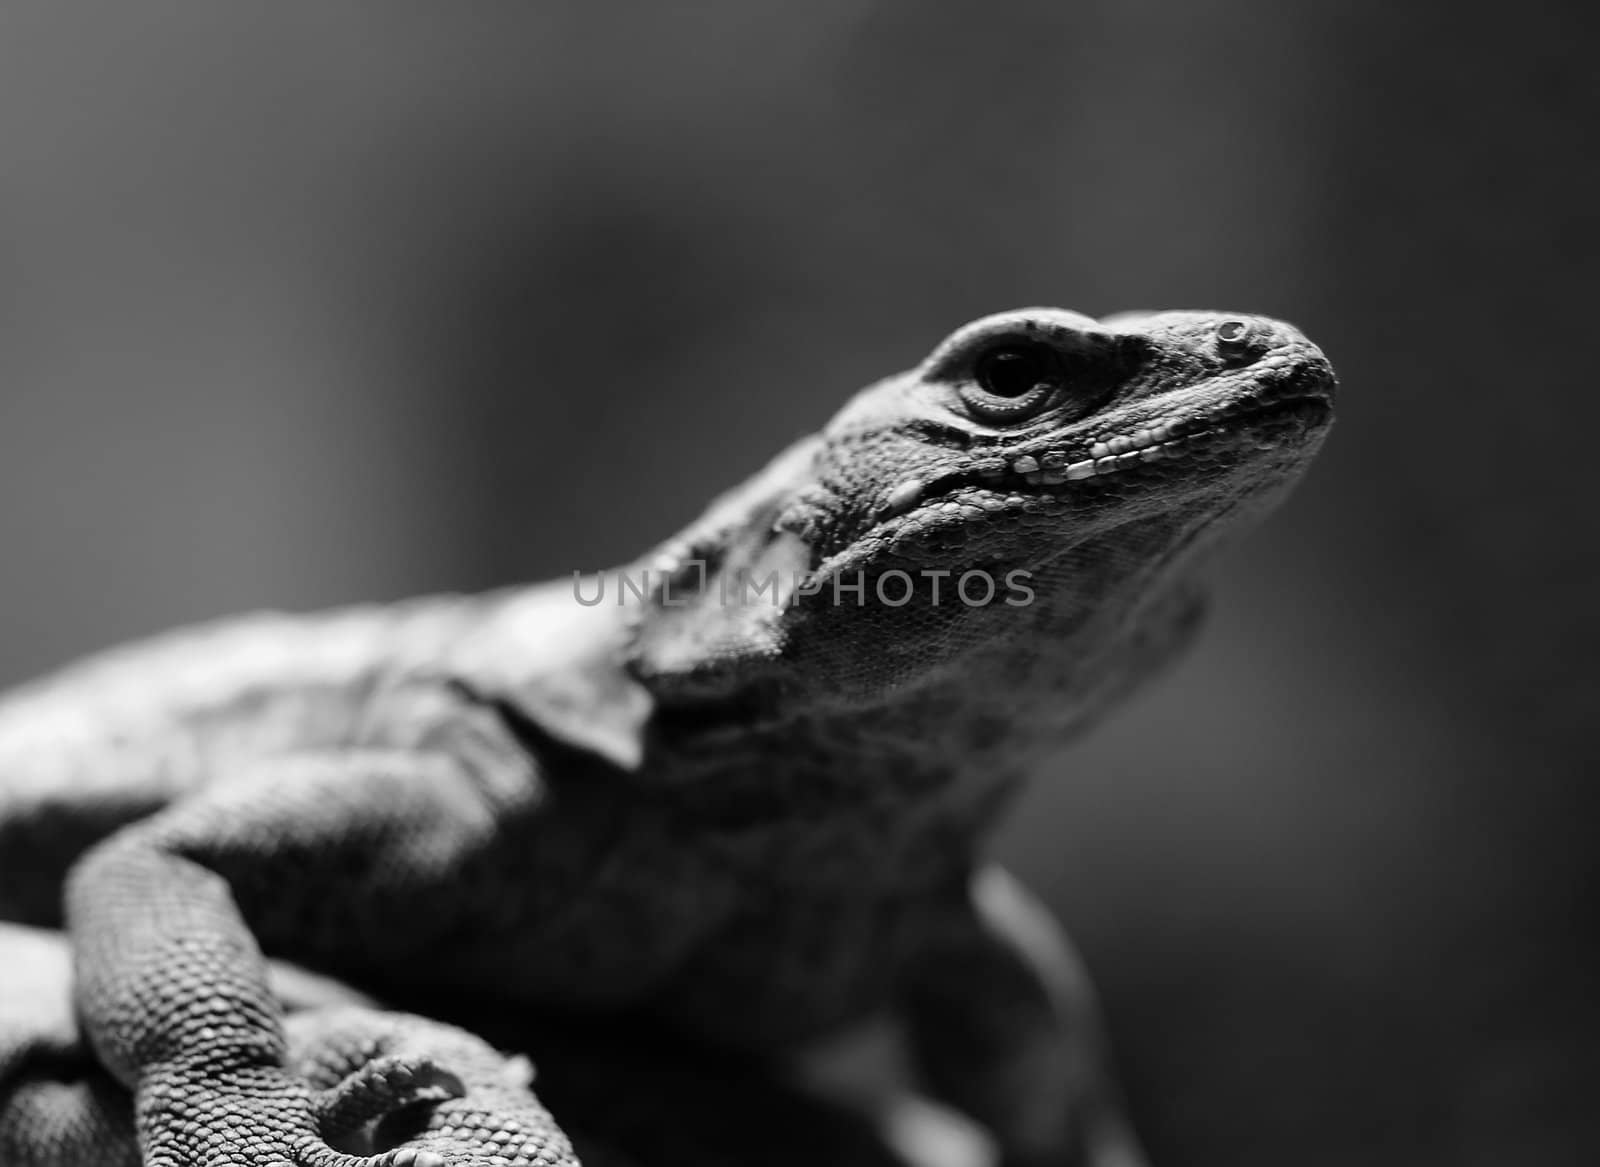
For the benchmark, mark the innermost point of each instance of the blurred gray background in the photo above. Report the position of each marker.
(310, 303)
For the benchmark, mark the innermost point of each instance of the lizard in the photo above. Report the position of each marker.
(736, 790)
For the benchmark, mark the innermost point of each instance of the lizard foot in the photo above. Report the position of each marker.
(392, 1083)
(382, 1105)
(261, 1117)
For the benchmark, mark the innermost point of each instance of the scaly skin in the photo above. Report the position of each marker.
(421, 1093)
(753, 824)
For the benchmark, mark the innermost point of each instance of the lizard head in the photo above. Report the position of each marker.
(1039, 479)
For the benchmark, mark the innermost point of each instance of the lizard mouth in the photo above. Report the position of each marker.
(1220, 436)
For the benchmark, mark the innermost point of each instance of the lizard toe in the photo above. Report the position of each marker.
(367, 1112)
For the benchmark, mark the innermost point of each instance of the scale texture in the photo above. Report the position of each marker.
(367, 1077)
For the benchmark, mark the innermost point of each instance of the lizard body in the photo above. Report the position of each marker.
(752, 822)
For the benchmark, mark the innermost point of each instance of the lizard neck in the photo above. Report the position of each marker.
(900, 793)
(960, 737)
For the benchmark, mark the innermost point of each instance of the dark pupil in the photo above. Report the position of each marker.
(1232, 331)
(1011, 372)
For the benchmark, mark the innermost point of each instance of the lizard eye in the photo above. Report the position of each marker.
(1013, 381)
(1237, 339)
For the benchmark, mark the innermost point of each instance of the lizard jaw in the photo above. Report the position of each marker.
(1050, 471)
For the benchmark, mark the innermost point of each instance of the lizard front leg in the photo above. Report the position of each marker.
(171, 986)
(379, 1080)
(1004, 1026)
